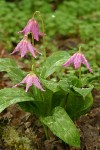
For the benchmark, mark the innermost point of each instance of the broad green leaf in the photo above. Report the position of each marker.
(9, 96)
(83, 91)
(77, 105)
(44, 100)
(53, 63)
(47, 99)
(10, 66)
(59, 99)
(67, 83)
(53, 86)
(6, 64)
(29, 106)
(63, 127)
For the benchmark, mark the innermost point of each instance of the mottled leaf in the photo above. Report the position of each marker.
(63, 127)
(83, 91)
(67, 83)
(10, 66)
(53, 86)
(78, 105)
(53, 63)
(9, 96)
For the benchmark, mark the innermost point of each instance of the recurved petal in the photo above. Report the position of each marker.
(31, 49)
(24, 48)
(16, 85)
(42, 34)
(36, 82)
(17, 48)
(35, 30)
(23, 81)
(27, 28)
(28, 82)
(85, 62)
(69, 61)
(35, 34)
(77, 60)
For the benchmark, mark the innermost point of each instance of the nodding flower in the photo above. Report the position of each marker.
(29, 80)
(77, 59)
(25, 46)
(32, 27)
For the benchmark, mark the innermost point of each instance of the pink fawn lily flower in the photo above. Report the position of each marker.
(32, 27)
(77, 59)
(25, 46)
(31, 79)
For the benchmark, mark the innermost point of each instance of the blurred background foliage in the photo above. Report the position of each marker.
(67, 18)
(64, 19)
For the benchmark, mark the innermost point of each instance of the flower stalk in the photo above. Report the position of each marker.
(41, 18)
(80, 72)
(46, 131)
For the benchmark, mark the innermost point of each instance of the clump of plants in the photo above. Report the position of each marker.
(54, 94)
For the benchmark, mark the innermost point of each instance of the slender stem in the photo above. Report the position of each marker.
(80, 72)
(32, 40)
(46, 131)
(80, 48)
(34, 66)
(43, 36)
(35, 13)
(45, 128)
(41, 18)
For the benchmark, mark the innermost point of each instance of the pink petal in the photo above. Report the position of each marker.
(41, 34)
(27, 28)
(36, 82)
(85, 62)
(23, 81)
(69, 61)
(17, 47)
(15, 50)
(35, 30)
(16, 85)
(35, 34)
(31, 49)
(28, 82)
(77, 60)
(23, 48)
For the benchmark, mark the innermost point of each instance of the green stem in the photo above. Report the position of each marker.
(45, 128)
(80, 48)
(32, 40)
(80, 72)
(43, 36)
(35, 13)
(46, 131)
(41, 18)
(34, 66)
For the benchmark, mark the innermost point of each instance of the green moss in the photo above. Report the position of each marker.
(12, 138)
